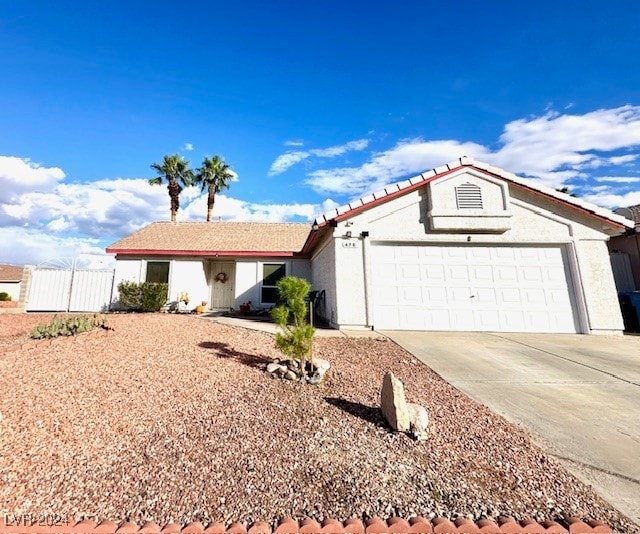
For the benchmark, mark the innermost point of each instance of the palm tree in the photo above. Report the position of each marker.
(175, 171)
(215, 176)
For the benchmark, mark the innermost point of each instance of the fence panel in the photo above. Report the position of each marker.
(49, 290)
(91, 291)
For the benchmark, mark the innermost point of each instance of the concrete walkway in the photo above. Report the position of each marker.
(270, 327)
(578, 395)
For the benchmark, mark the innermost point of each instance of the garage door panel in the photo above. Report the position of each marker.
(436, 297)
(482, 288)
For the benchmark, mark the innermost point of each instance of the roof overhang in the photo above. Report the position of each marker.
(399, 189)
(201, 253)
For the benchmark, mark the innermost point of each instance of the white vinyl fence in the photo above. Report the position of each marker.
(69, 288)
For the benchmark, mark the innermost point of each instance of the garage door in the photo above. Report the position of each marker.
(471, 288)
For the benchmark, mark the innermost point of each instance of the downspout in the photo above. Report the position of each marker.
(367, 278)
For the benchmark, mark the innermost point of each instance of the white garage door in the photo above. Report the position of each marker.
(471, 288)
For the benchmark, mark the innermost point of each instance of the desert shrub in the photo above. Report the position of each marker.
(144, 296)
(4, 296)
(154, 296)
(130, 295)
(296, 338)
(69, 326)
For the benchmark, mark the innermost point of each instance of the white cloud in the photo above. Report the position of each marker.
(552, 148)
(33, 246)
(232, 209)
(78, 219)
(287, 160)
(294, 143)
(619, 179)
(619, 160)
(408, 156)
(188, 147)
(610, 199)
(19, 175)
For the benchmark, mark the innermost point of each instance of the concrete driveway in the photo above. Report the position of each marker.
(579, 396)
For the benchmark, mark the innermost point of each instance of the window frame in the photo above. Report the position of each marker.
(263, 264)
(146, 270)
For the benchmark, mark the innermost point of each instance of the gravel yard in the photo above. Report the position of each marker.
(172, 417)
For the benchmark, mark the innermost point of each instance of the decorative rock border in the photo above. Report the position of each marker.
(375, 525)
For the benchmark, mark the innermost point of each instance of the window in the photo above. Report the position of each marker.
(158, 272)
(271, 273)
(469, 196)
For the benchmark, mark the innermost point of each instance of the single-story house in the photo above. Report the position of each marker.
(465, 246)
(625, 252)
(11, 280)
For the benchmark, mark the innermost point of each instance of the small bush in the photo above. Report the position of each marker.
(130, 295)
(69, 326)
(154, 296)
(4, 296)
(296, 338)
(145, 296)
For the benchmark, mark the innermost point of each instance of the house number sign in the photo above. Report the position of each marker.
(349, 244)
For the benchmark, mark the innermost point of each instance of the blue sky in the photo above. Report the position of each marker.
(311, 103)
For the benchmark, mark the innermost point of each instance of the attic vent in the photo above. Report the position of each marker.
(469, 196)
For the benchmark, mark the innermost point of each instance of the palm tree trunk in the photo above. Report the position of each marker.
(174, 194)
(211, 198)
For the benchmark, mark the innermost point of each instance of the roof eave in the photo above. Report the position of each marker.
(203, 253)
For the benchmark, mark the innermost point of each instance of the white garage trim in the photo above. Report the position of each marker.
(460, 287)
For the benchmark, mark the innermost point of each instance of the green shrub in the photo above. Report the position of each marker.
(296, 339)
(4, 296)
(130, 295)
(154, 296)
(69, 326)
(144, 296)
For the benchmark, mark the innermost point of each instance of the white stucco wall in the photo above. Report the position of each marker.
(188, 275)
(599, 287)
(191, 275)
(534, 220)
(247, 288)
(128, 270)
(323, 276)
(184, 275)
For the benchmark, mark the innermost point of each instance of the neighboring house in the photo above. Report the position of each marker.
(11, 280)
(466, 247)
(625, 252)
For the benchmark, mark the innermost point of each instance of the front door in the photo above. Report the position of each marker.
(223, 283)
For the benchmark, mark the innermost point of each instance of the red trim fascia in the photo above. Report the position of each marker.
(389, 196)
(556, 199)
(206, 253)
(311, 239)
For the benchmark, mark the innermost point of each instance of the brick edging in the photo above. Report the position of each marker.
(375, 525)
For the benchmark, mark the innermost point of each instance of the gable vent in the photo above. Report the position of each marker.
(469, 196)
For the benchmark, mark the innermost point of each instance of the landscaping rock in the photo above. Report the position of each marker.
(393, 403)
(273, 367)
(321, 366)
(290, 375)
(419, 421)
